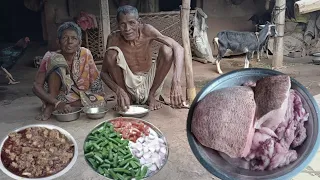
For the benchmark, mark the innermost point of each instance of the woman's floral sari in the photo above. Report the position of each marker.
(81, 81)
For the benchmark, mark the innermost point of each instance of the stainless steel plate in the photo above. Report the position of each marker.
(54, 176)
(216, 165)
(160, 135)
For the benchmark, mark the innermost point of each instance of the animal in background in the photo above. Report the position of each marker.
(263, 46)
(261, 19)
(241, 42)
(10, 55)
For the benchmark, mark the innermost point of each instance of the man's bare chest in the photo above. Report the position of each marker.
(138, 51)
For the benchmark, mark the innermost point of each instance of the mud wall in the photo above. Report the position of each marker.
(221, 14)
(224, 16)
(59, 11)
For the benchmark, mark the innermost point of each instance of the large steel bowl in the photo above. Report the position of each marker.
(160, 135)
(219, 167)
(54, 176)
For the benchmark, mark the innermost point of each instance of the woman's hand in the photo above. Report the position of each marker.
(64, 107)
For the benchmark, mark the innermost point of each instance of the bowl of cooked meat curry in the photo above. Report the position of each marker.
(40, 151)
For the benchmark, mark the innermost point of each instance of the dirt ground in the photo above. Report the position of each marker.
(19, 107)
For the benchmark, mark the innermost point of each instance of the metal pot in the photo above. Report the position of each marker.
(219, 167)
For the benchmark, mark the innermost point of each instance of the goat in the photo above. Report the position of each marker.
(257, 19)
(263, 48)
(242, 42)
(264, 45)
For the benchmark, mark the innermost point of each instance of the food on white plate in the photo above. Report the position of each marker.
(108, 149)
(151, 150)
(223, 121)
(36, 152)
(136, 110)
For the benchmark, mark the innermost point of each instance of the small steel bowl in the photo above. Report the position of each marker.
(95, 112)
(54, 176)
(74, 115)
(316, 58)
(316, 54)
(136, 115)
(316, 61)
(153, 127)
(218, 166)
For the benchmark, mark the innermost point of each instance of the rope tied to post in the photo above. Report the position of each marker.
(184, 8)
(279, 9)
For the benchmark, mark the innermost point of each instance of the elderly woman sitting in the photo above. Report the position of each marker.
(68, 77)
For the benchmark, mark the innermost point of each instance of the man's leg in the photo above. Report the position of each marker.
(54, 83)
(164, 62)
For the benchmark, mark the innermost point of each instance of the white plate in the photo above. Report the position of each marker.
(137, 114)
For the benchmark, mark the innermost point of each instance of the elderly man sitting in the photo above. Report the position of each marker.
(128, 68)
(68, 77)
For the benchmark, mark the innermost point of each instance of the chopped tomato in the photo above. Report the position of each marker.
(130, 129)
(117, 124)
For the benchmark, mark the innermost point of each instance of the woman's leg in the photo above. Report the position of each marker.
(54, 83)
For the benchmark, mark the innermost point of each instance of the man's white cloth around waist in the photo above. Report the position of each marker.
(138, 85)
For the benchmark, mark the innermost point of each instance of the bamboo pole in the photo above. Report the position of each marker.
(280, 11)
(105, 19)
(185, 12)
(307, 6)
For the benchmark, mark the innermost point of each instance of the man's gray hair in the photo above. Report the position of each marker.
(69, 26)
(127, 9)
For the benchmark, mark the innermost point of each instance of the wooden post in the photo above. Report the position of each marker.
(280, 10)
(105, 19)
(185, 12)
(307, 6)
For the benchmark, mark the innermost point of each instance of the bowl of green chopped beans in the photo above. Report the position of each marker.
(126, 149)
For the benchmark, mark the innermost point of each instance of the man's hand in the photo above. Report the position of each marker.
(176, 95)
(123, 99)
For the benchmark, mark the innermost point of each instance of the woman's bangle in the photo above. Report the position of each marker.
(56, 104)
